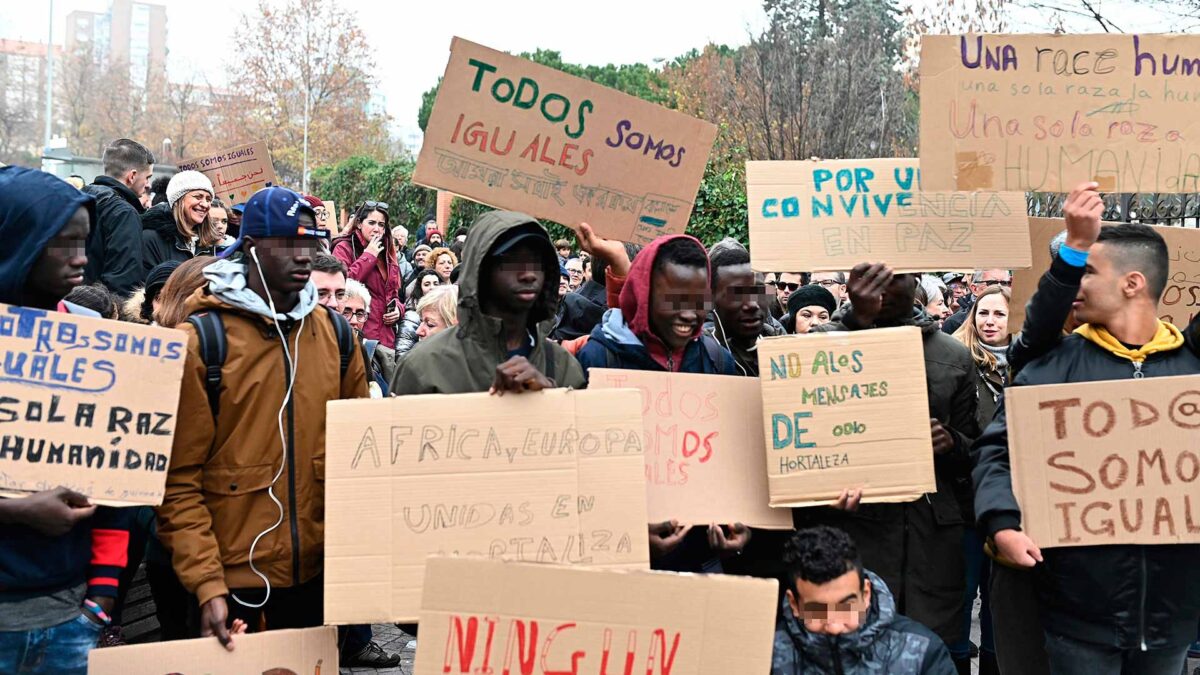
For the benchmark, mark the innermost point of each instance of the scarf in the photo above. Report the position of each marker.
(1166, 338)
(1000, 352)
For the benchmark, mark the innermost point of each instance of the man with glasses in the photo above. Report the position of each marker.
(980, 282)
(834, 282)
(785, 284)
(574, 273)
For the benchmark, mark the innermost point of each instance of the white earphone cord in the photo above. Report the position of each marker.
(287, 396)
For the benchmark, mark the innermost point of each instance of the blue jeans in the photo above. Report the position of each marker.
(978, 566)
(1072, 657)
(61, 649)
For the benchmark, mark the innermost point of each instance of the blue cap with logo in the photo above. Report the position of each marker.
(275, 212)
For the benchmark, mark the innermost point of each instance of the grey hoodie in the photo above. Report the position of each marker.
(227, 281)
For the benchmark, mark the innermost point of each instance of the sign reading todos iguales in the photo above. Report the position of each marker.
(515, 134)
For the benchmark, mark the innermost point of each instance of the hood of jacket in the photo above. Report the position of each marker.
(817, 649)
(227, 287)
(122, 190)
(635, 297)
(161, 220)
(34, 207)
(485, 232)
(1166, 338)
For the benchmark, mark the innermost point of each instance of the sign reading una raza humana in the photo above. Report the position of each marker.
(830, 215)
(236, 173)
(1047, 112)
(517, 135)
(843, 411)
(88, 404)
(703, 447)
(549, 477)
(1111, 462)
(482, 616)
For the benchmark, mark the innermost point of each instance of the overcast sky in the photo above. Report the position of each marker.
(412, 39)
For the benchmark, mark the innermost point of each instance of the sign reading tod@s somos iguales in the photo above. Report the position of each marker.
(843, 411)
(88, 404)
(518, 135)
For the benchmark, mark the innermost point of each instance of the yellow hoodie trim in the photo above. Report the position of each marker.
(1167, 337)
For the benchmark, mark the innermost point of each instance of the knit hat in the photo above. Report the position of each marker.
(313, 201)
(184, 182)
(154, 285)
(807, 296)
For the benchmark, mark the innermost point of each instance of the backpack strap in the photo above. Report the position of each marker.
(345, 338)
(716, 353)
(210, 332)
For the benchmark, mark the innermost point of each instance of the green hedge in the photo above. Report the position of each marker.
(720, 209)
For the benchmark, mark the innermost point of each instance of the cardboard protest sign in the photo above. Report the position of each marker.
(702, 446)
(846, 410)
(1107, 462)
(549, 477)
(830, 215)
(308, 651)
(1047, 112)
(517, 135)
(331, 220)
(88, 404)
(482, 616)
(236, 173)
(1180, 301)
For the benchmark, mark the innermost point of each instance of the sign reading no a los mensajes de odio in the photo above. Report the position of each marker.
(843, 411)
(88, 404)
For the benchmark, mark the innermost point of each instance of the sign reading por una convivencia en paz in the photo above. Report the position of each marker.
(518, 135)
(830, 215)
(1047, 112)
(88, 404)
(843, 411)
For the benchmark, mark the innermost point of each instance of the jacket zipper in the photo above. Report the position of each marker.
(291, 467)
(1142, 597)
(1137, 370)
(837, 656)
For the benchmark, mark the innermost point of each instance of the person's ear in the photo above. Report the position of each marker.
(793, 603)
(867, 591)
(1133, 283)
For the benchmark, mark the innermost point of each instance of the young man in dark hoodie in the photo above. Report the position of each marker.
(60, 556)
(114, 246)
(837, 618)
(664, 298)
(508, 292)
(739, 316)
(917, 546)
(1106, 610)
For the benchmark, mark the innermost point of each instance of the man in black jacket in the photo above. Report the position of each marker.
(114, 247)
(1106, 609)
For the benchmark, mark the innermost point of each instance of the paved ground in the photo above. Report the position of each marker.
(392, 639)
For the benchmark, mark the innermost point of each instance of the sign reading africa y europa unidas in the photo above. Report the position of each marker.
(518, 135)
(1047, 112)
(843, 411)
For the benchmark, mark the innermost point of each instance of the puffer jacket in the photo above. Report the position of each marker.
(917, 546)
(216, 499)
(463, 359)
(1124, 596)
(161, 241)
(886, 643)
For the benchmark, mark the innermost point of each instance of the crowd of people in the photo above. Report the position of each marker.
(283, 316)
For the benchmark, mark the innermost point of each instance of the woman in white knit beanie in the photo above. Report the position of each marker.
(181, 228)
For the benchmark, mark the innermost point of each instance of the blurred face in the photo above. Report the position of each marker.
(431, 324)
(444, 265)
(372, 225)
(516, 280)
(679, 299)
(355, 311)
(991, 318)
(575, 272)
(836, 607)
(60, 266)
(785, 285)
(809, 317)
(196, 205)
(737, 300)
(220, 220)
(829, 281)
(992, 278)
(937, 306)
(286, 262)
(1102, 292)
(331, 289)
(419, 258)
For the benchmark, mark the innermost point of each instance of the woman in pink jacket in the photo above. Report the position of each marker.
(369, 253)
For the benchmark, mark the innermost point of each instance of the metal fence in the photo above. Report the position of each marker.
(1180, 210)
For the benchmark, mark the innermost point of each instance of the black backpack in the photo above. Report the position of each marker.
(210, 331)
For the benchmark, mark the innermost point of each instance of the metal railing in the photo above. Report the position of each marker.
(1179, 210)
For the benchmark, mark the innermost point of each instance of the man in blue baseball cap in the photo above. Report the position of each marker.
(244, 509)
